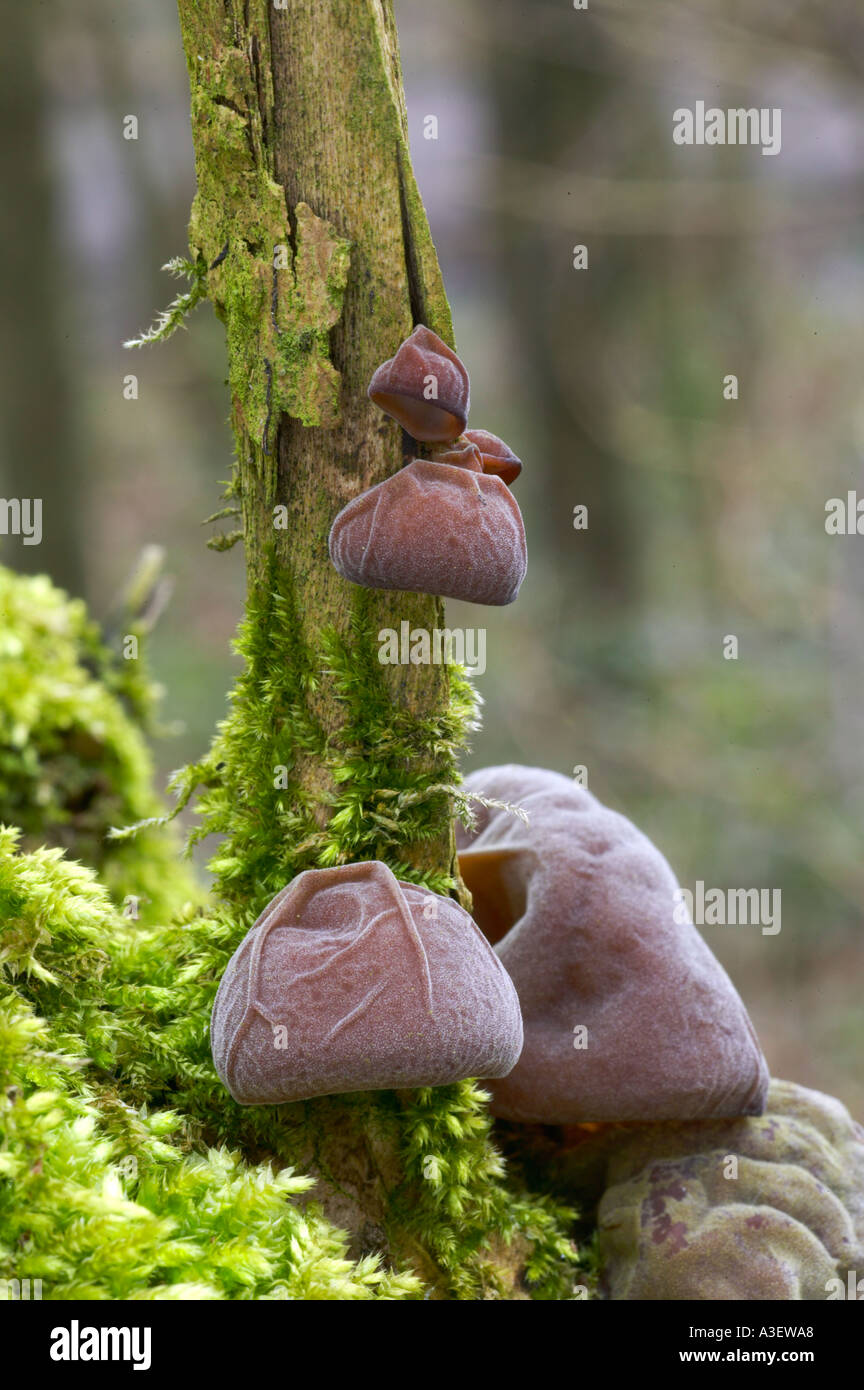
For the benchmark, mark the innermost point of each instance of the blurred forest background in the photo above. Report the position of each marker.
(706, 516)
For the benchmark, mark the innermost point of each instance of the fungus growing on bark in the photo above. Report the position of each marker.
(353, 981)
(460, 454)
(434, 529)
(495, 456)
(425, 387)
(627, 1014)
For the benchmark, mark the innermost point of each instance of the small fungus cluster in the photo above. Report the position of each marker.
(352, 980)
(445, 525)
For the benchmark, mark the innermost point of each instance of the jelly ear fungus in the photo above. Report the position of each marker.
(435, 529)
(627, 1014)
(425, 387)
(353, 981)
(446, 525)
(495, 456)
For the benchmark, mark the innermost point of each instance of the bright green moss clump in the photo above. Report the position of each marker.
(110, 1015)
(112, 1110)
(386, 777)
(103, 1199)
(73, 759)
(112, 1208)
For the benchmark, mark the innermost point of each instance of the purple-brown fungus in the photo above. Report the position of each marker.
(460, 454)
(627, 1014)
(353, 981)
(434, 529)
(495, 456)
(424, 387)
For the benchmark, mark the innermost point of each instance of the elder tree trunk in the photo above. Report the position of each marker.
(309, 236)
(318, 257)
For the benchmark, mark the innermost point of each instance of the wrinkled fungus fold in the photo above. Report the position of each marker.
(433, 528)
(351, 980)
(425, 387)
(627, 1013)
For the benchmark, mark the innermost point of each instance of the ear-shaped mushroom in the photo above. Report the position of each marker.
(627, 1014)
(353, 981)
(425, 387)
(461, 454)
(434, 529)
(496, 456)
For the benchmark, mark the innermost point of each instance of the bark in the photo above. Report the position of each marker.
(301, 149)
(309, 236)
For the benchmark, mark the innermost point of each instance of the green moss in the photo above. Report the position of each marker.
(104, 1193)
(277, 286)
(386, 776)
(455, 1200)
(451, 1194)
(103, 1202)
(73, 757)
(138, 1130)
(135, 998)
(170, 319)
(129, 1007)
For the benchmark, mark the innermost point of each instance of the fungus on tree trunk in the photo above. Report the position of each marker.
(627, 1013)
(425, 387)
(460, 454)
(353, 981)
(309, 236)
(751, 1209)
(496, 456)
(434, 528)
